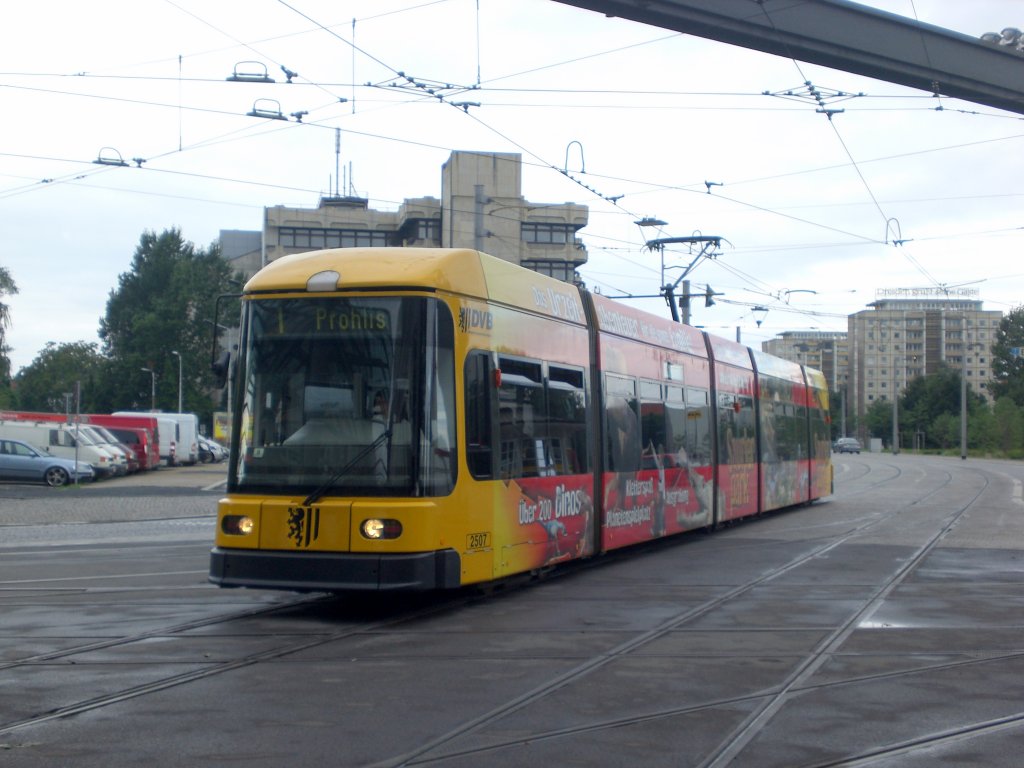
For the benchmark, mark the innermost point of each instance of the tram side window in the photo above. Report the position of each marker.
(820, 432)
(695, 434)
(479, 435)
(791, 431)
(727, 408)
(736, 429)
(541, 422)
(623, 442)
(520, 406)
(442, 469)
(674, 426)
(802, 435)
(787, 429)
(566, 428)
(783, 422)
(653, 426)
(676, 449)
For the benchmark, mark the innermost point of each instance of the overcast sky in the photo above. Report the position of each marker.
(805, 205)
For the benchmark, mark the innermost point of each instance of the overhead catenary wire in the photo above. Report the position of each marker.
(860, 174)
(596, 176)
(776, 211)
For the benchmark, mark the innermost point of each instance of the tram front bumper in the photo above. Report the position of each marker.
(334, 572)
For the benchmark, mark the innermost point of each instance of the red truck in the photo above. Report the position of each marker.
(141, 433)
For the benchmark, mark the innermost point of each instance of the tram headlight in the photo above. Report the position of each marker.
(237, 525)
(377, 528)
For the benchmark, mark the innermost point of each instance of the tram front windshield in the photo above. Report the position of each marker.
(346, 396)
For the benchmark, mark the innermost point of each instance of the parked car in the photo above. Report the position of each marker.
(210, 451)
(846, 445)
(60, 440)
(20, 461)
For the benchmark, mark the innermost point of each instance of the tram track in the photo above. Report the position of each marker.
(175, 629)
(826, 649)
(291, 648)
(212, 670)
(865, 758)
(767, 702)
(870, 485)
(938, 739)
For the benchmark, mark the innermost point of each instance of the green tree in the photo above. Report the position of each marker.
(1007, 370)
(836, 406)
(163, 304)
(926, 398)
(1008, 427)
(42, 385)
(7, 288)
(945, 431)
(981, 430)
(878, 420)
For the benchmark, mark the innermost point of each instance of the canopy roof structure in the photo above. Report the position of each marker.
(846, 36)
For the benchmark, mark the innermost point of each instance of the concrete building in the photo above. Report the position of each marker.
(828, 351)
(481, 207)
(825, 350)
(894, 341)
(899, 339)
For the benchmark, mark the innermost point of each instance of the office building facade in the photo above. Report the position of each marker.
(897, 340)
(894, 341)
(481, 207)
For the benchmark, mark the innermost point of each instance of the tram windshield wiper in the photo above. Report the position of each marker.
(319, 492)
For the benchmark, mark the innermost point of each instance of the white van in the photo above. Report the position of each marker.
(109, 438)
(167, 433)
(122, 456)
(188, 436)
(59, 439)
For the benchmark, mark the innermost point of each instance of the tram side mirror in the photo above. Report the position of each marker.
(220, 368)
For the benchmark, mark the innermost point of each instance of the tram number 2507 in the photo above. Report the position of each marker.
(478, 540)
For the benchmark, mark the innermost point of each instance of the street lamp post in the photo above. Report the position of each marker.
(895, 411)
(152, 373)
(963, 410)
(963, 397)
(895, 422)
(178, 355)
(842, 409)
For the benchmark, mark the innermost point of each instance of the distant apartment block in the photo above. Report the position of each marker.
(825, 350)
(897, 340)
(894, 341)
(481, 207)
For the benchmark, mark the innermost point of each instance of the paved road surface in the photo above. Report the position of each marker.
(884, 627)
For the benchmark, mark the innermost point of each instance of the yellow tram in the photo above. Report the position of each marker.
(431, 418)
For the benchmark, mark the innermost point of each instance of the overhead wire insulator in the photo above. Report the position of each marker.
(262, 108)
(250, 72)
(110, 156)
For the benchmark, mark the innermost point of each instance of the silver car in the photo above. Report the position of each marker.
(846, 445)
(210, 450)
(20, 461)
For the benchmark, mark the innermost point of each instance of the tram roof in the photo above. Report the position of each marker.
(442, 268)
(457, 270)
(769, 365)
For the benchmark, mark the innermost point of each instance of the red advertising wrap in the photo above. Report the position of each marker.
(658, 426)
(439, 417)
(550, 518)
